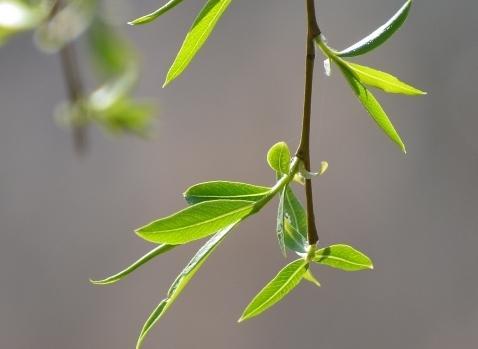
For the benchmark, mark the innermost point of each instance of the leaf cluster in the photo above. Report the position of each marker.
(56, 25)
(215, 208)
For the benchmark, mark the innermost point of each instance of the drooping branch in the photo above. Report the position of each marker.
(303, 151)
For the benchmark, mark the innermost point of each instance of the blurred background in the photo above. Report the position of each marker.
(66, 218)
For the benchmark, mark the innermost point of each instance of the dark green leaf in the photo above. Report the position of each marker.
(196, 222)
(197, 36)
(153, 15)
(226, 190)
(380, 35)
(284, 282)
(382, 80)
(143, 260)
(181, 281)
(278, 158)
(343, 257)
(295, 223)
(372, 106)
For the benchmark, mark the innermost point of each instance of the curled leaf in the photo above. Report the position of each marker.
(380, 35)
(153, 15)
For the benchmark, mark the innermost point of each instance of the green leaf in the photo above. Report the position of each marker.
(111, 54)
(278, 158)
(372, 106)
(311, 278)
(226, 190)
(382, 80)
(153, 15)
(181, 281)
(197, 36)
(295, 223)
(196, 222)
(284, 282)
(280, 222)
(143, 260)
(380, 35)
(343, 257)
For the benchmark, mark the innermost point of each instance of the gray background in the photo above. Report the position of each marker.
(65, 219)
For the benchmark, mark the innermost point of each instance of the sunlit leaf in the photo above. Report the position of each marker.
(382, 80)
(373, 107)
(143, 260)
(278, 158)
(181, 281)
(197, 36)
(280, 221)
(226, 190)
(343, 257)
(283, 283)
(295, 223)
(311, 278)
(196, 222)
(153, 15)
(380, 35)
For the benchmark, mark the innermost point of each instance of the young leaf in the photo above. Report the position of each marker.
(380, 35)
(284, 282)
(181, 281)
(343, 257)
(143, 260)
(373, 107)
(197, 36)
(382, 80)
(196, 222)
(295, 223)
(278, 158)
(311, 278)
(153, 15)
(225, 190)
(280, 222)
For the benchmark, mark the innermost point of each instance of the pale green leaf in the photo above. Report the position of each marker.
(197, 36)
(311, 278)
(226, 190)
(372, 106)
(280, 222)
(380, 35)
(295, 223)
(153, 15)
(143, 260)
(181, 281)
(382, 80)
(196, 222)
(343, 257)
(283, 283)
(278, 158)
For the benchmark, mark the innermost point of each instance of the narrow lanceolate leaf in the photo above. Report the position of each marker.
(280, 222)
(343, 257)
(143, 260)
(197, 36)
(196, 222)
(225, 190)
(153, 15)
(311, 278)
(284, 282)
(278, 158)
(380, 35)
(181, 281)
(382, 80)
(373, 107)
(295, 223)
